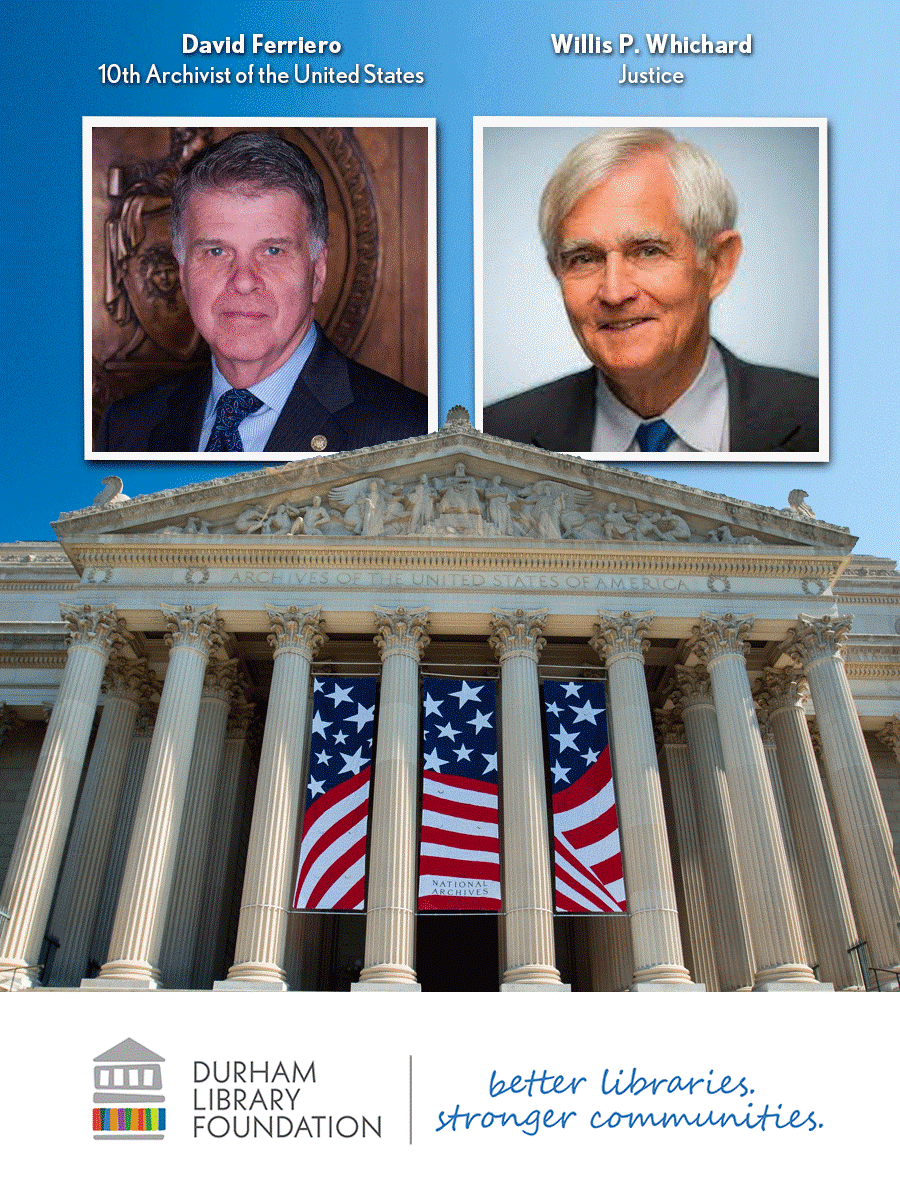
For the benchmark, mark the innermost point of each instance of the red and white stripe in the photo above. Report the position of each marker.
(588, 858)
(459, 866)
(333, 850)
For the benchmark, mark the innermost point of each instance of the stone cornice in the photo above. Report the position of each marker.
(872, 670)
(45, 659)
(756, 562)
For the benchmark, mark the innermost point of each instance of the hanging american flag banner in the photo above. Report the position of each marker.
(332, 871)
(587, 858)
(459, 865)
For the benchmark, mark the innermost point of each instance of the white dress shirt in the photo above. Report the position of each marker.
(699, 416)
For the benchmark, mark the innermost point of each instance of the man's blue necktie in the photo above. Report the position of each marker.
(655, 436)
(231, 409)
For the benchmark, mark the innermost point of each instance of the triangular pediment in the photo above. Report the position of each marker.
(129, 1051)
(456, 484)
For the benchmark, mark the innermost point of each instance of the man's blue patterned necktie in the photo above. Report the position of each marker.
(231, 409)
(655, 436)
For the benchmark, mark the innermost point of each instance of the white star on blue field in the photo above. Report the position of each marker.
(459, 728)
(576, 728)
(342, 728)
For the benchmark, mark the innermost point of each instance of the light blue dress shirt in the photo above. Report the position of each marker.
(273, 391)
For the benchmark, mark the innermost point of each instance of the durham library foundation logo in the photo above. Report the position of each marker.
(128, 1099)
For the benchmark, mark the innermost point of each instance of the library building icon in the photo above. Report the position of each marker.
(128, 1099)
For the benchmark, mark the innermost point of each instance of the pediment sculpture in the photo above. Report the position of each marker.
(462, 505)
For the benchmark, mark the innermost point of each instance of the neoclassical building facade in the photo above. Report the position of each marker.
(157, 668)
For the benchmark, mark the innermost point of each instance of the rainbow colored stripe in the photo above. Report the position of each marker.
(129, 1120)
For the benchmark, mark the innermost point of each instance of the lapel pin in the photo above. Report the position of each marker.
(319, 442)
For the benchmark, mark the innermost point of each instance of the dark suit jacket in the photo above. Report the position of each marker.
(334, 396)
(768, 409)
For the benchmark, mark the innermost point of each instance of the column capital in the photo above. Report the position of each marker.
(670, 725)
(519, 632)
(401, 631)
(195, 628)
(621, 634)
(889, 734)
(100, 628)
(129, 679)
(240, 717)
(779, 688)
(814, 638)
(694, 688)
(297, 629)
(716, 637)
(221, 679)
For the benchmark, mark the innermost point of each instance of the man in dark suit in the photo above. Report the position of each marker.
(250, 233)
(639, 231)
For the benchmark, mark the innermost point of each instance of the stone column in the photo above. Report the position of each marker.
(127, 685)
(782, 699)
(34, 866)
(391, 905)
(734, 953)
(135, 768)
(771, 905)
(650, 890)
(787, 834)
(527, 892)
(146, 886)
(297, 637)
(889, 735)
(177, 954)
(222, 852)
(690, 882)
(815, 644)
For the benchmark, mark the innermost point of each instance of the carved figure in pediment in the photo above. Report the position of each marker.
(546, 513)
(281, 520)
(616, 526)
(499, 500)
(368, 506)
(374, 510)
(312, 519)
(643, 526)
(421, 506)
(251, 520)
(460, 505)
(724, 536)
(672, 528)
(196, 525)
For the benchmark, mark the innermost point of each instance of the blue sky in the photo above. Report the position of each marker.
(833, 63)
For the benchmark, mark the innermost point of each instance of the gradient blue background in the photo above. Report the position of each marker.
(491, 59)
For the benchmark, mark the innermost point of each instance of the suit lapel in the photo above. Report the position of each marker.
(180, 427)
(313, 407)
(757, 419)
(570, 424)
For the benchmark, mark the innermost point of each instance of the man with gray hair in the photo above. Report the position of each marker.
(250, 235)
(639, 231)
